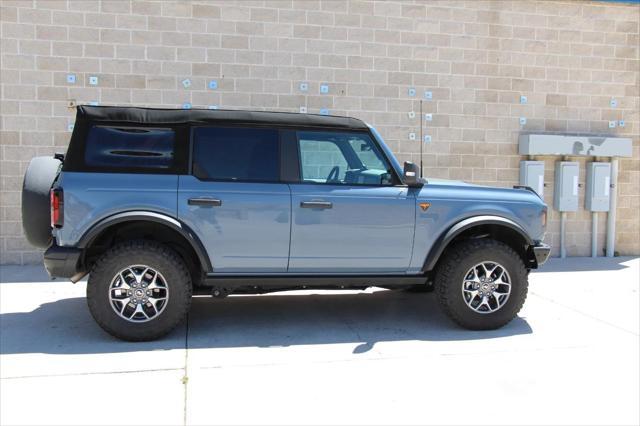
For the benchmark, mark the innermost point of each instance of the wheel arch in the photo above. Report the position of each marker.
(486, 226)
(149, 225)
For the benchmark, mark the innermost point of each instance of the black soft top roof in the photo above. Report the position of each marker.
(137, 115)
(181, 119)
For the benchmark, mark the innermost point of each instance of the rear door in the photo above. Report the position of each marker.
(350, 215)
(234, 200)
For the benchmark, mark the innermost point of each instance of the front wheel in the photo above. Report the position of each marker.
(481, 284)
(139, 290)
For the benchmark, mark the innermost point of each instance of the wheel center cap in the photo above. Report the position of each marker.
(139, 293)
(485, 287)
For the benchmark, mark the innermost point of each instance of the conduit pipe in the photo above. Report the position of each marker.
(613, 202)
(594, 234)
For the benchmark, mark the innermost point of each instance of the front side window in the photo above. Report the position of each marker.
(130, 147)
(236, 154)
(341, 158)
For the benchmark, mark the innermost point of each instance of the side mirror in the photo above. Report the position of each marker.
(410, 174)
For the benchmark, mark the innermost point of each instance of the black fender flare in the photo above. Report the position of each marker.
(446, 237)
(147, 216)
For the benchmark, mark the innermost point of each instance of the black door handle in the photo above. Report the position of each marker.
(213, 202)
(316, 205)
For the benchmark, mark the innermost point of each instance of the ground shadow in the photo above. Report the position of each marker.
(66, 327)
(11, 274)
(585, 264)
(23, 274)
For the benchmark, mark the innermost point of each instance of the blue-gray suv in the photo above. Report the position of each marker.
(157, 205)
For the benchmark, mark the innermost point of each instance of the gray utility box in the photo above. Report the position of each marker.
(532, 175)
(565, 197)
(600, 146)
(596, 198)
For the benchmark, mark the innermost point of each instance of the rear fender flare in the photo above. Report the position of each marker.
(146, 216)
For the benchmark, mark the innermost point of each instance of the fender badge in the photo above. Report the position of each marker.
(424, 206)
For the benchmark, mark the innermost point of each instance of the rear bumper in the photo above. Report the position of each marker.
(62, 262)
(541, 252)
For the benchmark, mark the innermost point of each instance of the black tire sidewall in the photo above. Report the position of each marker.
(155, 256)
(459, 262)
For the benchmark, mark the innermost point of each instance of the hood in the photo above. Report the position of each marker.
(444, 188)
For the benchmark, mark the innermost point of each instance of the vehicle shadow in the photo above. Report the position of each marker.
(23, 274)
(585, 264)
(277, 320)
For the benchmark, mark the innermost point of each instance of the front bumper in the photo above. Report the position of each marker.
(541, 251)
(62, 262)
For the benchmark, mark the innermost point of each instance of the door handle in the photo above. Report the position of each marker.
(213, 202)
(316, 205)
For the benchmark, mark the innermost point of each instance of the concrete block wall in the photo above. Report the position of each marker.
(477, 58)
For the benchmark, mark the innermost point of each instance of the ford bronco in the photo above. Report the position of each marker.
(157, 205)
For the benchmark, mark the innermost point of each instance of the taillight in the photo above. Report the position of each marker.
(57, 208)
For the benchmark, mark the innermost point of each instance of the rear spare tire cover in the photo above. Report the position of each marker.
(38, 179)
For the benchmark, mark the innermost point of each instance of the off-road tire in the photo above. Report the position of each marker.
(38, 179)
(157, 256)
(450, 274)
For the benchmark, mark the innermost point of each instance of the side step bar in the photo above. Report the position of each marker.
(235, 281)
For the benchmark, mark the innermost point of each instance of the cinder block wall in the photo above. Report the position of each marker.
(477, 58)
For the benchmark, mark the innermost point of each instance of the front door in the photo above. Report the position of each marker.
(349, 215)
(234, 201)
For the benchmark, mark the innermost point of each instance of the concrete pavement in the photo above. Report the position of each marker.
(374, 357)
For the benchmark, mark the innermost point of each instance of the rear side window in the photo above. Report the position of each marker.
(235, 153)
(130, 147)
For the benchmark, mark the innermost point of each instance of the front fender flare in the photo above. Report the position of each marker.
(148, 216)
(443, 241)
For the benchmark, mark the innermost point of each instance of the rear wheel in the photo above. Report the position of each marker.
(139, 290)
(481, 284)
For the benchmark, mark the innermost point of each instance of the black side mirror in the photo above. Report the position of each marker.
(411, 174)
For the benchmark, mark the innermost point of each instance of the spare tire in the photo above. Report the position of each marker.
(36, 220)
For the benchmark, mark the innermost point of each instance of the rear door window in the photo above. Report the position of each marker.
(130, 147)
(236, 154)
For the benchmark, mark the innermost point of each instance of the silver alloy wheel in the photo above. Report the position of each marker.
(486, 287)
(138, 293)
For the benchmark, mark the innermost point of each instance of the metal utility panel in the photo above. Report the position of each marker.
(598, 187)
(532, 175)
(600, 146)
(565, 197)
